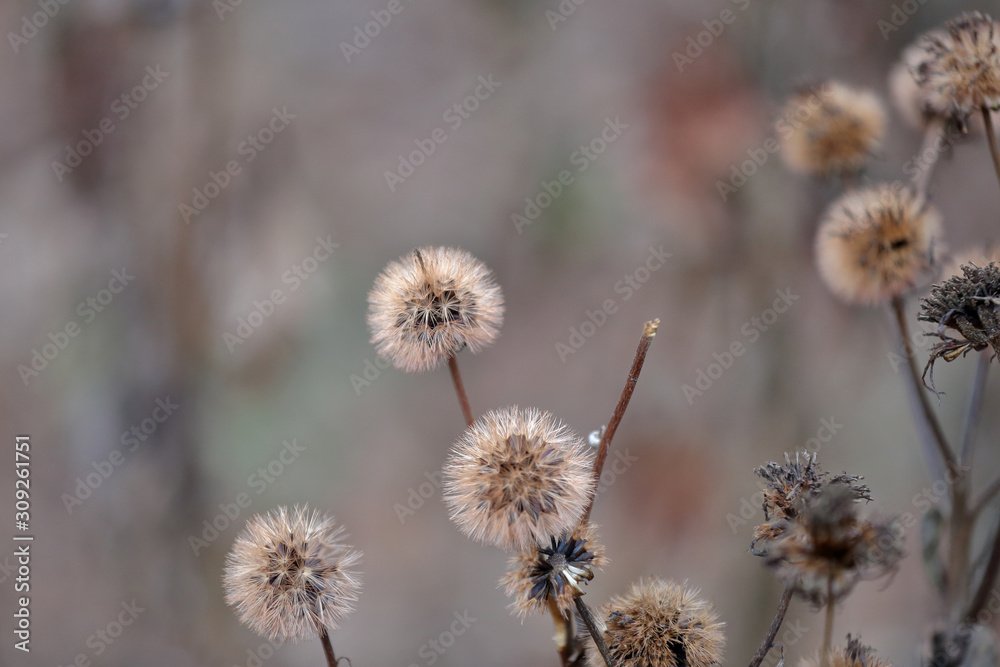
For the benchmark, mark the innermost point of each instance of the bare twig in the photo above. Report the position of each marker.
(463, 399)
(779, 617)
(595, 632)
(975, 407)
(331, 659)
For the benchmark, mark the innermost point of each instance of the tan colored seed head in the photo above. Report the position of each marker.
(428, 305)
(660, 624)
(855, 654)
(874, 244)
(290, 575)
(518, 477)
(832, 132)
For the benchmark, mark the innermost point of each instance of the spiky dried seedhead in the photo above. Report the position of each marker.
(290, 575)
(832, 133)
(957, 69)
(874, 244)
(516, 478)
(660, 624)
(855, 654)
(908, 96)
(790, 488)
(428, 305)
(554, 572)
(968, 304)
(828, 549)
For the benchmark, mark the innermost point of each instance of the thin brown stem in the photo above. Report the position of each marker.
(975, 408)
(595, 632)
(779, 617)
(934, 131)
(331, 659)
(991, 138)
(463, 399)
(981, 598)
(824, 653)
(648, 333)
(563, 630)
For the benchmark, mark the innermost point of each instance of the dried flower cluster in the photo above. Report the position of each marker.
(855, 654)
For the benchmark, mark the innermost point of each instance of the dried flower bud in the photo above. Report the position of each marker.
(855, 654)
(555, 572)
(427, 306)
(290, 575)
(660, 624)
(518, 477)
(874, 244)
(842, 129)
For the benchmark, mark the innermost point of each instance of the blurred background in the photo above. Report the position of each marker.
(197, 196)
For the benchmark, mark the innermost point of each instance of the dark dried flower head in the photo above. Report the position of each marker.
(829, 548)
(958, 69)
(968, 304)
(290, 575)
(660, 624)
(554, 572)
(855, 654)
(427, 306)
(790, 487)
(834, 132)
(518, 477)
(875, 243)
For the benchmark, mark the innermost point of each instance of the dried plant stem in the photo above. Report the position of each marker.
(648, 332)
(991, 138)
(824, 652)
(934, 131)
(779, 617)
(975, 408)
(563, 631)
(595, 632)
(324, 637)
(463, 399)
(981, 598)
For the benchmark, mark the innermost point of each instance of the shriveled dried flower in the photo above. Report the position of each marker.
(660, 624)
(518, 477)
(969, 304)
(837, 137)
(790, 488)
(855, 654)
(828, 549)
(427, 306)
(874, 244)
(554, 572)
(958, 69)
(290, 574)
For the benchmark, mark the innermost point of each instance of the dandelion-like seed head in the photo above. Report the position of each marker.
(874, 244)
(427, 306)
(660, 624)
(855, 654)
(518, 477)
(555, 572)
(957, 70)
(290, 575)
(833, 132)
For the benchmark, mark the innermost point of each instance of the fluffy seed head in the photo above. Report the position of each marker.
(957, 70)
(875, 243)
(910, 97)
(554, 572)
(833, 132)
(660, 624)
(290, 575)
(428, 305)
(855, 654)
(518, 477)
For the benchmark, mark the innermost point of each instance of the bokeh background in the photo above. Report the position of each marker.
(307, 373)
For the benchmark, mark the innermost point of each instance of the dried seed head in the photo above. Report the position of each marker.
(554, 572)
(518, 477)
(910, 97)
(855, 654)
(957, 70)
(790, 488)
(660, 624)
(829, 548)
(968, 304)
(874, 244)
(290, 575)
(833, 132)
(427, 306)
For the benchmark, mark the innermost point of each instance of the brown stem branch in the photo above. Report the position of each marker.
(981, 598)
(595, 632)
(331, 659)
(975, 408)
(991, 138)
(564, 630)
(824, 653)
(463, 399)
(779, 617)
(934, 130)
(648, 332)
